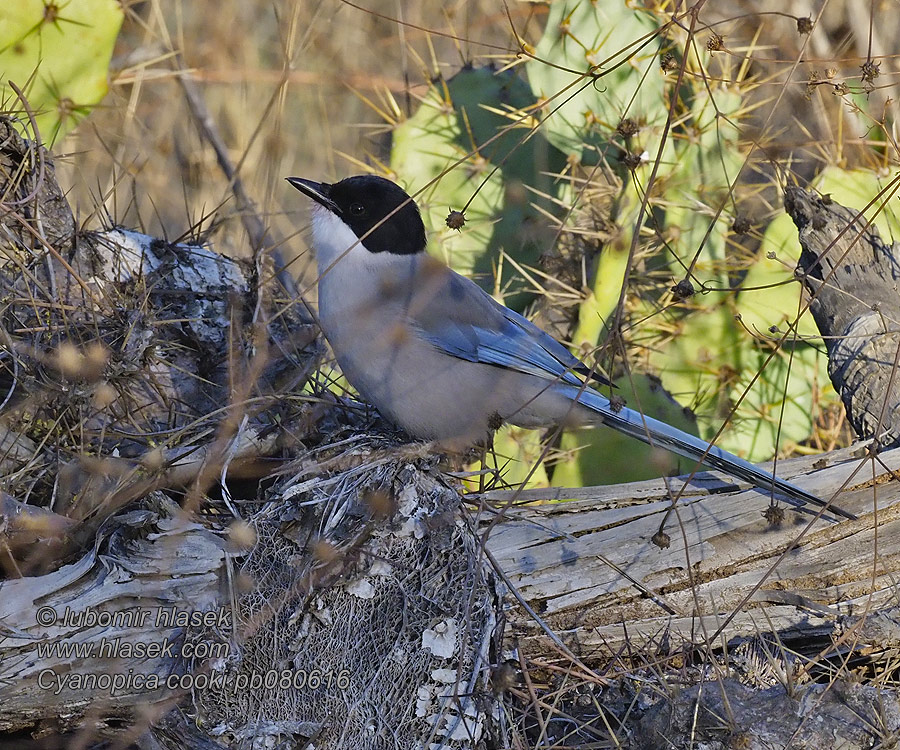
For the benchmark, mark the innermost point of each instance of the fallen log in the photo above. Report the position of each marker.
(595, 568)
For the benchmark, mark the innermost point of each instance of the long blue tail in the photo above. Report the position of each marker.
(659, 434)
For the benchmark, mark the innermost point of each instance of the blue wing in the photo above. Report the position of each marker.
(490, 333)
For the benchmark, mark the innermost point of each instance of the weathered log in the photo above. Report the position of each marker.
(854, 280)
(73, 642)
(594, 569)
(320, 630)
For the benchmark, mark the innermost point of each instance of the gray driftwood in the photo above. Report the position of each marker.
(601, 575)
(854, 281)
(154, 560)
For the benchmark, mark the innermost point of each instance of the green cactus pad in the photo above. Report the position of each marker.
(58, 54)
(596, 65)
(509, 172)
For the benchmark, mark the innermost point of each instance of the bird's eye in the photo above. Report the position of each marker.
(357, 209)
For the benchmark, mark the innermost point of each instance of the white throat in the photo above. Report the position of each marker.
(334, 242)
(348, 273)
(337, 246)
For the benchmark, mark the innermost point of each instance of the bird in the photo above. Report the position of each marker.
(442, 359)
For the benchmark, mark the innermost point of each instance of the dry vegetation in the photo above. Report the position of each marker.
(632, 621)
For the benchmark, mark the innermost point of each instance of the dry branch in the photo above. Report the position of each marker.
(128, 363)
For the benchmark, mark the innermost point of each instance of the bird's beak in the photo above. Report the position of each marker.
(318, 191)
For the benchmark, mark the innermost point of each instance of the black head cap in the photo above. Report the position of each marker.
(364, 201)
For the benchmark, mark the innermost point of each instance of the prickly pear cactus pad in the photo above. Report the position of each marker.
(616, 43)
(57, 54)
(505, 184)
(631, 139)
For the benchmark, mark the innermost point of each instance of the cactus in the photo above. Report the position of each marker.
(860, 187)
(602, 84)
(600, 39)
(697, 346)
(462, 115)
(57, 54)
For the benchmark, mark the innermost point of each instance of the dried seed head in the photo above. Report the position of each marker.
(380, 503)
(71, 362)
(804, 25)
(870, 70)
(632, 160)
(153, 459)
(495, 421)
(456, 220)
(104, 395)
(683, 290)
(627, 127)
(774, 515)
(812, 82)
(68, 359)
(324, 551)
(242, 534)
(96, 357)
(741, 225)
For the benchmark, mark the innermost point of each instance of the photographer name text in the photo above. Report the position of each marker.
(135, 617)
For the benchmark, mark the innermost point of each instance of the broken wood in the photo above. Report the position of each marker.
(854, 281)
(85, 645)
(594, 568)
